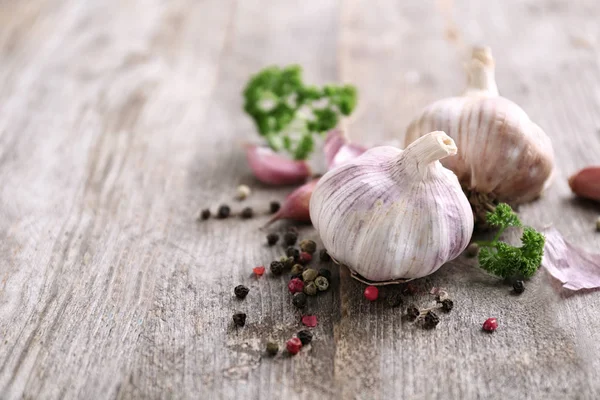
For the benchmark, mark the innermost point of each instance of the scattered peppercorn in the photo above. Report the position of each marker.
(290, 238)
(371, 293)
(292, 252)
(305, 257)
(297, 269)
(272, 238)
(325, 273)
(309, 274)
(274, 206)
(243, 191)
(247, 213)
(288, 262)
(224, 211)
(519, 287)
(258, 271)
(472, 250)
(241, 291)
(272, 348)
(490, 325)
(321, 283)
(205, 214)
(308, 246)
(412, 312)
(295, 285)
(394, 300)
(309, 320)
(299, 300)
(239, 319)
(305, 336)
(293, 345)
(447, 305)
(431, 320)
(277, 268)
(325, 257)
(310, 289)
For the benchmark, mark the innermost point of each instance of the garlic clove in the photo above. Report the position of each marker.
(273, 169)
(338, 149)
(295, 206)
(391, 214)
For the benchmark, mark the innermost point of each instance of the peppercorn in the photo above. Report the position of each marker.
(292, 252)
(239, 319)
(324, 255)
(309, 320)
(288, 262)
(309, 274)
(299, 300)
(241, 291)
(305, 336)
(321, 283)
(272, 238)
(310, 289)
(272, 348)
(274, 206)
(295, 285)
(325, 273)
(259, 271)
(431, 320)
(490, 325)
(472, 250)
(247, 213)
(290, 238)
(447, 305)
(277, 268)
(519, 287)
(412, 312)
(224, 211)
(293, 345)
(308, 246)
(297, 269)
(205, 214)
(394, 300)
(371, 293)
(243, 191)
(305, 258)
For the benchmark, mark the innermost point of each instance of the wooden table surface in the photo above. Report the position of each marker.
(120, 118)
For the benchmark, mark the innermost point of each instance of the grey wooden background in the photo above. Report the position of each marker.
(120, 118)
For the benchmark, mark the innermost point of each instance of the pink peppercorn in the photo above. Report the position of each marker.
(296, 285)
(490, 325)
(309, 320)
(305, 257)
(258, 271)
(293, 345)
(371, 293)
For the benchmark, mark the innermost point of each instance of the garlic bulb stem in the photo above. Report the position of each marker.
(426, 150)
(481, 73)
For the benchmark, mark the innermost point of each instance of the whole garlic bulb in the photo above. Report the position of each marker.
(392, 214)
(502, 154)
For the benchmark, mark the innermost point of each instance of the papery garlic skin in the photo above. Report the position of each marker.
(501, 151)
(392, 214)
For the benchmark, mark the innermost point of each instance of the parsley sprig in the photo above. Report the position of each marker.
(504, 260)
(289, 113)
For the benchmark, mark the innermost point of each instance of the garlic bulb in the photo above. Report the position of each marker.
(502, 154)
(392, 214)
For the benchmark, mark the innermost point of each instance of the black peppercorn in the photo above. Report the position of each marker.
(308, 246)
(290, 238)
(412, 312)
(272, 238)
(293, 252)
(241, 291)
(325, 273)
(519, 287)
(299, 300)
(277, 268)
(224, 211)
(305, 336)
(472, 250)
(394, 300)
(447, 305)
(274, 206)
(239, 319)
(205, 214)
(247, 213)
(431, 320)
(325, 257)
(272, 348)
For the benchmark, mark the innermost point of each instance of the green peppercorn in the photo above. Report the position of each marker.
(239, 319)
(290, 238)
(309, 275)
(224, 211)
(394, 300)
(272, 238)
(274, 206)
(412, 312)
(308, 246)
(310, 289)
(324, 255)
(292, 252)
(431, 320)
(277, 268)
(247, 213)
(299, 300)
(288, 262)
(472, 250)
(305, 336)
(326, 273)
(447, 305)
(272, 348)
(297, 269)
(322, 283)
(241, 291)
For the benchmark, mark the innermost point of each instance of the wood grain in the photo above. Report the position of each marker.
(119, 119)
